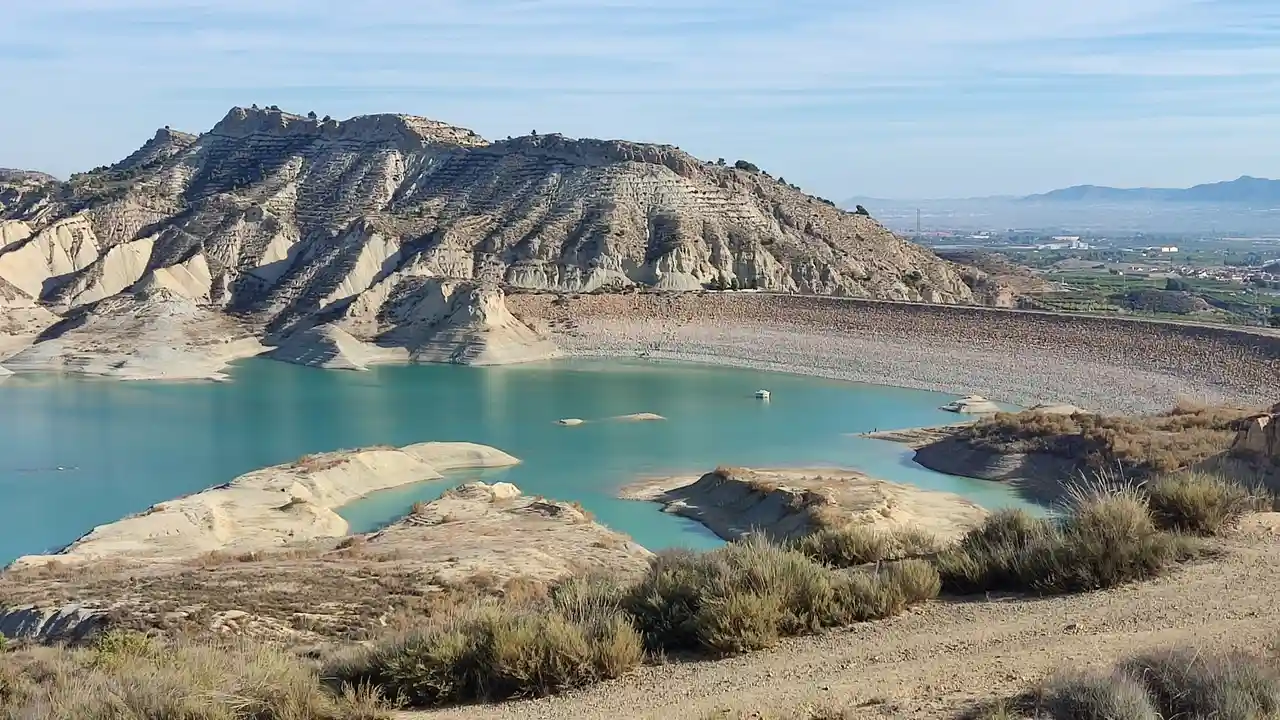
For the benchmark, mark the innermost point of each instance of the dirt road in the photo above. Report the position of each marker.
(932, 662)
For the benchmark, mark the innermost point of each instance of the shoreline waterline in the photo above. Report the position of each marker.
(137, 444)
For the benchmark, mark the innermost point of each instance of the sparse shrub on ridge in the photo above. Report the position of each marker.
(1163, 443)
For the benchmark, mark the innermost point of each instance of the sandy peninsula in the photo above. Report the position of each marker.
(783, 504)
(269, 508)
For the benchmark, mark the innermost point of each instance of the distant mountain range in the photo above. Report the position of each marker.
(1244, 189)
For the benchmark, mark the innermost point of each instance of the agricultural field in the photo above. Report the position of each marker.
(1157, 296)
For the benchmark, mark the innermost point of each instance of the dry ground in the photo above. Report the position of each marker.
(446, 550)
(935, 661)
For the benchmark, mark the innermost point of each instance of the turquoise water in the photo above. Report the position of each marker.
(123, 446)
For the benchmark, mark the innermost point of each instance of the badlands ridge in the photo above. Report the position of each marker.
(386, 238)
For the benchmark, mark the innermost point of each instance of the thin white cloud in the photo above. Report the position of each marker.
(826, 84)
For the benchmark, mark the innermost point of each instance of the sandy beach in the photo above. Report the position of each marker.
(1100, 364)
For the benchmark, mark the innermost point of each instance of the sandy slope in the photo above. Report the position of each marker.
(933, 661)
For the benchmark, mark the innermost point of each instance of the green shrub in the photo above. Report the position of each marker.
(1200, 503)
(916, 580)
(848, 546)
(853, 545)
(1106, 538)
(494, 651)
(746, 595)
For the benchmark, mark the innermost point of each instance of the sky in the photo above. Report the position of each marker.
(900, 99)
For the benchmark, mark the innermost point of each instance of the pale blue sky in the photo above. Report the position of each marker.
(902, 98)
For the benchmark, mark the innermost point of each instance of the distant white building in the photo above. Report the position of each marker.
(1065, 242)
(1169, 249)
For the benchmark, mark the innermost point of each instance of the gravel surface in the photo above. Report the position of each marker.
(1101, 364)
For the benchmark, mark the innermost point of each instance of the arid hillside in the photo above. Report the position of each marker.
(282, 215)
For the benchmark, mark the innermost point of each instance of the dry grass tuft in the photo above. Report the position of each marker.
(1202, 503)
(1172, 683)
(1139, 445)
(124, 676)
(1106, 538)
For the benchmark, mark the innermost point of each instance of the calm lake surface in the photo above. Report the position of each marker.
(75, 453)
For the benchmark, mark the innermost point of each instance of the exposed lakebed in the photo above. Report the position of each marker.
(77, 453)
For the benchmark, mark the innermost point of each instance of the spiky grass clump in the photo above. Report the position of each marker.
(1174, 683)
(1105, 538)
(852, 545)
(1202, 503)
(747, 595)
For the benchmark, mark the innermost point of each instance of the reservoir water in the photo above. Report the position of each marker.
(75, 453)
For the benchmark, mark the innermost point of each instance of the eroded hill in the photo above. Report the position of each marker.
(288, 222)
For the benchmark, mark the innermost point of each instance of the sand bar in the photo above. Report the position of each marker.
(271, 507)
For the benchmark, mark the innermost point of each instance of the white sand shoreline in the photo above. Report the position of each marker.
(269, 507)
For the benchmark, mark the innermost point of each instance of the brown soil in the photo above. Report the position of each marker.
(448, 550)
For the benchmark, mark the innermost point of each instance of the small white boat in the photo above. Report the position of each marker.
(762, 394)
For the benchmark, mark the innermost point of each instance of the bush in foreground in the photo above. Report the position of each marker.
(1201, 503)
(747, 595)
(1107, 538)
(742, 597)
(853, 545)
(1177, 683)
(124, 676)
(495, 651)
